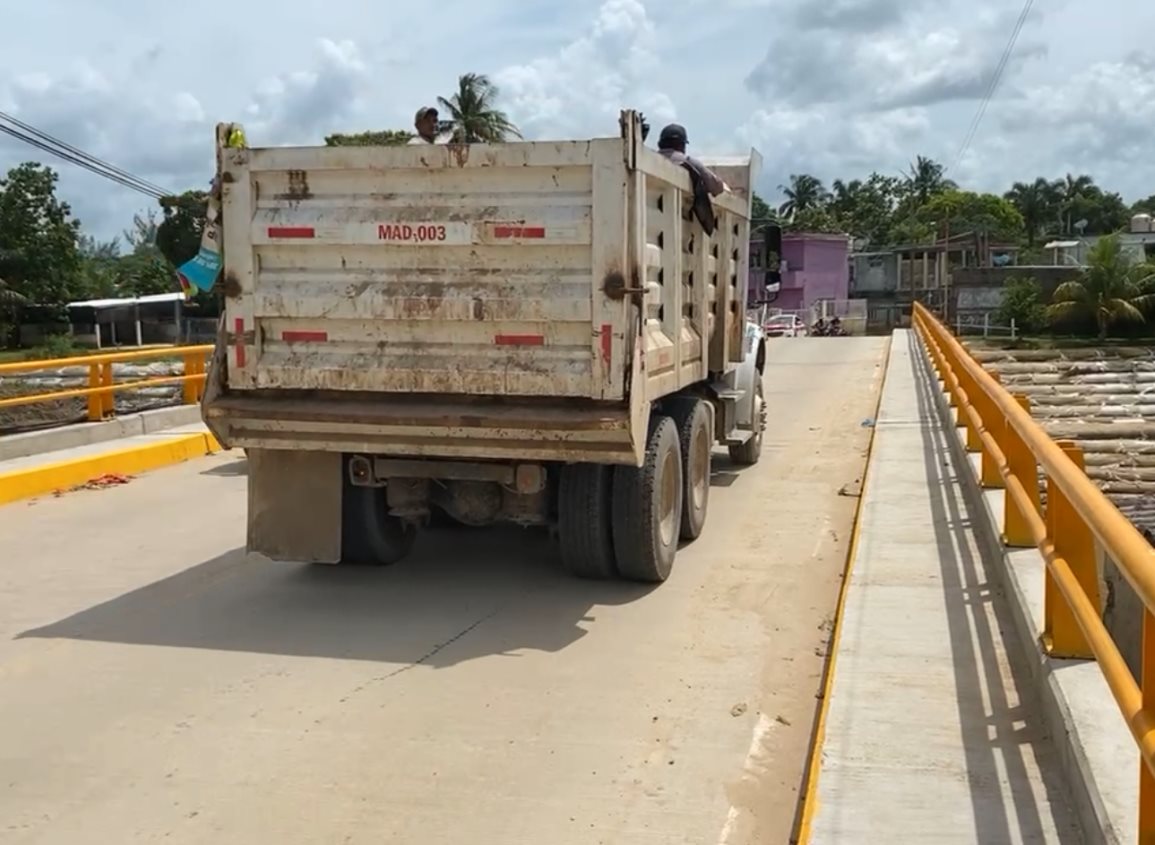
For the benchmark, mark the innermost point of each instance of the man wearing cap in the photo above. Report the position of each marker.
(426, 123)
(672, 144)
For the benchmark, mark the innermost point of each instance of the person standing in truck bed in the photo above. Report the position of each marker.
(427, 123)
(672, 144)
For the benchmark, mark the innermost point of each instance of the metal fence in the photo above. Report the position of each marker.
(850, 312)
(102, 385)
(983, 325)
(1077, 521)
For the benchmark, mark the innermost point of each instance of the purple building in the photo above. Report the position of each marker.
(814, 267)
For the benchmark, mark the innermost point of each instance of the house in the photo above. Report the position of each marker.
(891, 279)
(1138, 243)
(813, 268)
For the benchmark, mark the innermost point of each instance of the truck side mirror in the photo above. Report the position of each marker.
(771, 260)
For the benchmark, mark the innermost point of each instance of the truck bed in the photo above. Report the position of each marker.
(558, 278)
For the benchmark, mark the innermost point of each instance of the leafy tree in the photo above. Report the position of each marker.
(1104, 212)
(97, 267)
(1023, 304)
(815, 219)
(925, 179)
(1038, 202)
(760, 212)
(1146, 206)
(966, 211)
(178, 237)
(1111, 289)
(379, 138)
(145, 272)
(473, 113)
(39, 256)
(866, 209)
(143, 230)
(804, 193)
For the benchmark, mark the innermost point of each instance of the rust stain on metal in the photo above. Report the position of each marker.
(227, 177)
(298, 186)
(614, 285)
(247, 338)
(231, 285)
(460, 153)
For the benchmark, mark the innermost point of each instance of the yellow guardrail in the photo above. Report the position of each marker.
(1013, 446)
(101, 385)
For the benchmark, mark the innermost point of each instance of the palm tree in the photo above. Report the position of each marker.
(1071, 189)
(804, 193)
(926, 178)
(1113, 289)
(1037, 202)
(473, 113)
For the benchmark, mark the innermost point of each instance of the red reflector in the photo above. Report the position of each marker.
(304, 337)
(519, 231)
(291, 232)
(519, 340)
(607, 344)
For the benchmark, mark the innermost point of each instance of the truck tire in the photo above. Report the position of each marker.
(747, 454)
(583, 505)
(647, 507)
(692, 417)
(369, 535)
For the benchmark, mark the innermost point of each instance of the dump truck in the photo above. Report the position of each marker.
(541, 333)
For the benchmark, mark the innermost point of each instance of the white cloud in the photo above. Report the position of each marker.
(836, 89)
(613, 64)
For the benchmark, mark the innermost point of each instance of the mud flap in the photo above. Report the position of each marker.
(295, 505)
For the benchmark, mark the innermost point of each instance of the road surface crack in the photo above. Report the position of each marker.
(425, 658)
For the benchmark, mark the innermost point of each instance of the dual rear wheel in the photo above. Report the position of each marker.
(628, 521)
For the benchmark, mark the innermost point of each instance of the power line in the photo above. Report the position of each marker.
(996, 77)
(57, 142)
(43, 141)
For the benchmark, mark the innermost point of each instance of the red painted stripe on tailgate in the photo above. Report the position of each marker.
(519, 340)
(519, 231)
(607, 344)
(292, 232)
(304, 337)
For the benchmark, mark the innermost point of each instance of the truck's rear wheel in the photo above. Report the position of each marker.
(747, 454)
(647, 507)
(369, 535)
(692, 417)
(583, 504)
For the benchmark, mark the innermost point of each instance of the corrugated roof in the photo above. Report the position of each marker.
(121, 303)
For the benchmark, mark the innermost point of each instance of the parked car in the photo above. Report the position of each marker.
(785, 325)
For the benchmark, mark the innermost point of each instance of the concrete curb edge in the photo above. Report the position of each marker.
(62, 475)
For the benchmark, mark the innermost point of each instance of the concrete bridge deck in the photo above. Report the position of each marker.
(155, 684)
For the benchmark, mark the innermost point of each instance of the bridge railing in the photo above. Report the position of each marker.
(101, 382)
(1077, 514)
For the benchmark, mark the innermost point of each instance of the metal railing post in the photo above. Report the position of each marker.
(107, 400)
(1021, 465)
(1074, 543)
(189, 385)
(990, 473)
(973, 442)
(95, 404)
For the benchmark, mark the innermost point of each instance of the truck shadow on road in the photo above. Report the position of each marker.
(462, 595)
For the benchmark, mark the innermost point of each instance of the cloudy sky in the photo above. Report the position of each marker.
(831, 87)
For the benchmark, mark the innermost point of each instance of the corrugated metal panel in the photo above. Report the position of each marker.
(392, 270)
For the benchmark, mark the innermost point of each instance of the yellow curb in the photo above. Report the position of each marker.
(64, 475)
(818, 738)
